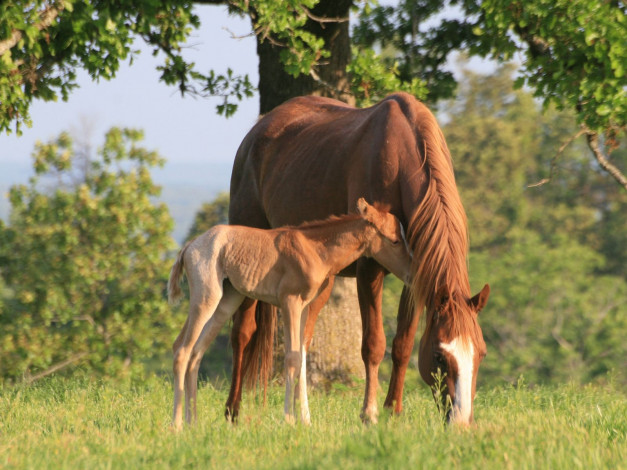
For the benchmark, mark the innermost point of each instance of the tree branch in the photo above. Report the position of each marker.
(320, 19)
(593, 143)
(60, 365)
(554, 161)
(47, 17)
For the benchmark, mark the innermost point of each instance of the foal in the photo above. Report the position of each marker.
(286, 267)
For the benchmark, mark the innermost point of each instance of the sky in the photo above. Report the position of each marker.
(199, 145)
(186, 131)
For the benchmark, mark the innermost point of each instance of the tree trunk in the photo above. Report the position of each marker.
(335, 350)
(277, 86)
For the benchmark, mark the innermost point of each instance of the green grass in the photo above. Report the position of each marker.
(78, 423)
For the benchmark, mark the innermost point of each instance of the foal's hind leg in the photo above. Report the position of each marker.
(231, 299)
(201, 308)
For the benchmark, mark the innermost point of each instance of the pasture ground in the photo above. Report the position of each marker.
(82, 423)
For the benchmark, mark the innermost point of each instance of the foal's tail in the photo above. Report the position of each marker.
(174, 283)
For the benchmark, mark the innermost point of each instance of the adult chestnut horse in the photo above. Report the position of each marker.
(313, 157)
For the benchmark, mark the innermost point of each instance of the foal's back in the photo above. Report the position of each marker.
(258, 263)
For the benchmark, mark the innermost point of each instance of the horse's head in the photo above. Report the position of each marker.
(453, 343)
(389, 246)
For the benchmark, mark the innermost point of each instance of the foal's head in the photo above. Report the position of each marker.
(452, 347)
(388, 246)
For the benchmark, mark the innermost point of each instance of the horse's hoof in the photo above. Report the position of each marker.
(230, 416)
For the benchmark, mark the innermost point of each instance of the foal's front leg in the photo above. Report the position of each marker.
(308, 323)
(301, 391)
(293, 359)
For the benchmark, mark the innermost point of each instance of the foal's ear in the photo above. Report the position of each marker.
(362, 206)
(481, 299)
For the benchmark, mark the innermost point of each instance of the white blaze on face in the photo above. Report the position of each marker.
(464, 356)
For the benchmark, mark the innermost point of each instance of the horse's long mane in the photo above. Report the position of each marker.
(437, 232)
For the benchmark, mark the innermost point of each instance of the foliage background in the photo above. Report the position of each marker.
(85, 255)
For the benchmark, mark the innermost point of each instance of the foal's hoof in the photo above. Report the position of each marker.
(176, 427)
(230, 415)
(369, 417)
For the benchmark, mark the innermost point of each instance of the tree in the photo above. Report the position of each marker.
(557, 301)
(574, 51)
(83, 262)
(574, 55)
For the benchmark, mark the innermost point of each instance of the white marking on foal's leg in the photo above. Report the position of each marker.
(464, 356)
(302, 388)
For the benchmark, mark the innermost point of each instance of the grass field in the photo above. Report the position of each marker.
(87, 424)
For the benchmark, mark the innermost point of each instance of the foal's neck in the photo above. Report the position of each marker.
(340, 242)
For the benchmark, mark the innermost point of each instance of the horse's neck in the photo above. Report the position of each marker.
(340, 244)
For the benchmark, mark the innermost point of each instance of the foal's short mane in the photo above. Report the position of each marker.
(336, 219)
(324, 223)
(437, 232)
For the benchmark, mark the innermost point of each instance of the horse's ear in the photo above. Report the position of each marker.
(442, 297)
(481, 299)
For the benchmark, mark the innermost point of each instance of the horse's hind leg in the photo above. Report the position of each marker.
(244, 325)
(401, 351)
(231, 300)
(202, 306)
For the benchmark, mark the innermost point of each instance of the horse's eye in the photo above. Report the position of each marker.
(439, 359)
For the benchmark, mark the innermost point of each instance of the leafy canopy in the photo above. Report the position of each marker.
(83, 261)
(574, 50)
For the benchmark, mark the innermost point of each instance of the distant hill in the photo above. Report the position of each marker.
(185, 186)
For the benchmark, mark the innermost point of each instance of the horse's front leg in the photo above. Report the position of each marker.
(407, 323)
(293, 360)
(369, 290)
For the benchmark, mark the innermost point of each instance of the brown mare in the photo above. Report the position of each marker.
(312, 157)
(286, 267)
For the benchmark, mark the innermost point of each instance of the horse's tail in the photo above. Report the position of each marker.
(174, 283)
(258, 358)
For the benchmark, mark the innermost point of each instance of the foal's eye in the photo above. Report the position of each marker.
(395, 242)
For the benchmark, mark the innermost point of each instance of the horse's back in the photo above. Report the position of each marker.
(312, 157)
